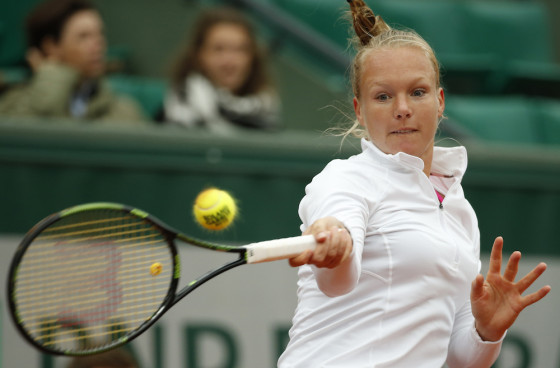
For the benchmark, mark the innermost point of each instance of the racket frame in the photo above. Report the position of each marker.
(36, 230)
(252, 253)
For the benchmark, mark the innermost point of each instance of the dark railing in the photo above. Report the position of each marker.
(298, 31)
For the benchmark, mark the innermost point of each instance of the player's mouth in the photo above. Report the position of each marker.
(404, 131)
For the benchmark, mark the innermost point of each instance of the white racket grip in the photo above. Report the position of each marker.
(272, 250)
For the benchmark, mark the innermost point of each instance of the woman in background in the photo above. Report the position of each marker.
(220, 83)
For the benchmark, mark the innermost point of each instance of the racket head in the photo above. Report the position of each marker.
(91, 278)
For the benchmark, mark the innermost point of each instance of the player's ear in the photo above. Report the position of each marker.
(441, 100)
(358, 111)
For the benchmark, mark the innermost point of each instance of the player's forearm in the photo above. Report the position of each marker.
(339, 280)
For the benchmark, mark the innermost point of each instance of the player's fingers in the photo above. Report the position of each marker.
(528, 279)
(321, 256)
(333, 255)
(328, 252)
(477, 287)
(345, 240)
(301, 259)
(496, 256)
(325, 254)
(318, 231)
(348, 246)
(512, 266)
(336, 249)
(536, 296)
(344, 247)
(321, 225)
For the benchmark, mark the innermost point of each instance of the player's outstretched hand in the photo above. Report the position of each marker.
(497, 300)
(334, 244)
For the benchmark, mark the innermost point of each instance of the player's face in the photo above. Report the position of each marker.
(399, 103)
(226, 56)
(82, 44)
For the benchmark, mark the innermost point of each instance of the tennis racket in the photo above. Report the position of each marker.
(95, 276)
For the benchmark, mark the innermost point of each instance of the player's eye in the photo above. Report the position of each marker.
(382, 97)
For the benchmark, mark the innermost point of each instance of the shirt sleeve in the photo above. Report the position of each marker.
(466, 348)
(330, 195)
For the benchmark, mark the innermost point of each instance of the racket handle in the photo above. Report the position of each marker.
(272, 250)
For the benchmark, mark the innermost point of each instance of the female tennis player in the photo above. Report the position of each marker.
(395, 279)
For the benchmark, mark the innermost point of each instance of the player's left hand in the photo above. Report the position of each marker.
(497, 300)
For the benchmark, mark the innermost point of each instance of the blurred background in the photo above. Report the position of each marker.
(501, 73)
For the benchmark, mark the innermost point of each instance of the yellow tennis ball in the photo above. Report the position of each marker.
(214, 209)
(155, 268)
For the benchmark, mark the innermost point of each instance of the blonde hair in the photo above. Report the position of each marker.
(372, 33)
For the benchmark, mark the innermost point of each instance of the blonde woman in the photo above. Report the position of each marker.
(395, 279)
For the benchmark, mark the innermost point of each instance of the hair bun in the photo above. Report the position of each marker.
(366, 24)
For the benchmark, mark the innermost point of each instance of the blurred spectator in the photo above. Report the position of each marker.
(220, 83)
(66, 52)
(117, 358)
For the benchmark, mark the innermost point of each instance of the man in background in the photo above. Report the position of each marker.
(66, 52)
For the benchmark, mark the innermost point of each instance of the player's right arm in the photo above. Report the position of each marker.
(335, 211)
(334, 264)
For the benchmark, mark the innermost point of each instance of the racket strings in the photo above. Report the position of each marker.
(130, 311)
(85, 223)
(52, 338)
(89, 278)
(36, 304)
(49, 246)
(77, 264)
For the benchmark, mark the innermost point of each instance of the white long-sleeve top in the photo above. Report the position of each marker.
(402, 300)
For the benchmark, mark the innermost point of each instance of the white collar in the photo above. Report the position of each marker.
(446, 161)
